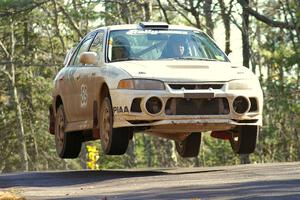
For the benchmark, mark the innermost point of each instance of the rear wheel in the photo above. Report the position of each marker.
(68, 145)
(243, 140)
(190, 146)
(114, 141)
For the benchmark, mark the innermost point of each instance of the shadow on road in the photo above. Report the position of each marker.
(283, 189)
(265, 190)
(238, 183)
(66, 178)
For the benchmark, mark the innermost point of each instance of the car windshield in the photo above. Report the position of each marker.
(161, 45)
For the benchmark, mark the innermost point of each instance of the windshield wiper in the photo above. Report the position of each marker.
(126, 59)
(191, 58)
(196, 58)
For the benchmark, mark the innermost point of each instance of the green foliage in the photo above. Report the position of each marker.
(217, 152)
(11, 5)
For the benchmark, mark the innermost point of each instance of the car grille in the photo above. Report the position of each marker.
(184, 106)
(195, 86)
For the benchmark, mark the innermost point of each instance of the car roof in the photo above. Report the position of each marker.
(137, 26)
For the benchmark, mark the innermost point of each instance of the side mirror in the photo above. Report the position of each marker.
(89, 58)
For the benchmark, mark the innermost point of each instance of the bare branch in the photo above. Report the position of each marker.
(293, 18)
(4, 71)
(56, 24)
(33, 6)
(4, 49)
(265, 19)
(198, 3)
(182, 6)
(233, 20)
(72, 22)
(181, 13)
(163, 11)
(20, 64)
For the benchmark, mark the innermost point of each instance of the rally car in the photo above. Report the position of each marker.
(165, 80)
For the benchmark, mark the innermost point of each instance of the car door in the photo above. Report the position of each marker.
(90, 73)
(77, 80)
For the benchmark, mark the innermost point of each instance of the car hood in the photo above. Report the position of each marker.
(183, 71)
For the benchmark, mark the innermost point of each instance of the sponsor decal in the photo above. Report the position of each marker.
(155, 32)
(120, 109)
(84, 95)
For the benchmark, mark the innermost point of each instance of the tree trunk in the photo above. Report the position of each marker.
(33, 141)
(131, 161)
(173, 154)
(197, 162)
(168, 152)
(147, 10)
(208, 18)
(244, 158)
(35, 160)
(83, 156)
(226, 21)
(245, 36)
(21, 132)
(197, 18)
(125, 11)
(148, 149)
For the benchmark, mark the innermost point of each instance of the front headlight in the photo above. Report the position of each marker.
(243, 84)
(141, 84)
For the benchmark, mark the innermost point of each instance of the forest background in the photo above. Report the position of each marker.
(36, 34)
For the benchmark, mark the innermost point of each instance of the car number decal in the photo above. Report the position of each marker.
(84, 95)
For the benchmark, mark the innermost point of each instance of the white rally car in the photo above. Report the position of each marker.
(168, 81)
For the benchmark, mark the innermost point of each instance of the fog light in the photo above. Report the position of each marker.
(153, 105)
(240, 105)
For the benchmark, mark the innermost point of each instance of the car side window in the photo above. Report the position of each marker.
(97, 46)
(84, 46)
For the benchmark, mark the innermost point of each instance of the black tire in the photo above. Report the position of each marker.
(68, 145)
(190, 146)
(114, 141)
(243, 140)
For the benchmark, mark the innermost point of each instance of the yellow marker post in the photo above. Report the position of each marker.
(93, 157)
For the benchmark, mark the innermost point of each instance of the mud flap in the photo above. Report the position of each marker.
(51, 120)
(220, 135)
(96, 130)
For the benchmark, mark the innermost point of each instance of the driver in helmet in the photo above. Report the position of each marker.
(175, 47)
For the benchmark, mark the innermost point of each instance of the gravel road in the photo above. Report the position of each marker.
(255, 181)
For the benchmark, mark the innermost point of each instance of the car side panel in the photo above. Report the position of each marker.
(63, 89)
(108, 75)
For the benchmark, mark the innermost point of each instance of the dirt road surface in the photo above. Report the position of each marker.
(255, 181)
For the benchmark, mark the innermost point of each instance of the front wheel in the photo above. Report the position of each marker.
(114, 141)
(243, 139)
(68, 145)
(190, 146)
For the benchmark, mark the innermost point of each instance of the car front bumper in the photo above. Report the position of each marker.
(195, 109)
